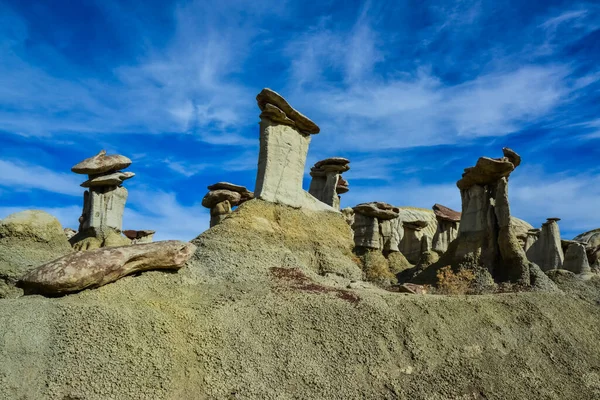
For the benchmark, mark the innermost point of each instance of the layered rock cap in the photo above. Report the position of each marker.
(332, 164)
(221, 197)
(101, 220)
(377, 209)
(276, 108)
(446, 214)
(101, 163)
(489, 170)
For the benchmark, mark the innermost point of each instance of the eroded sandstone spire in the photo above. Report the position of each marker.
(327, 182)
(101, 221)
(486, 238)
(284, 138)
(547, 250)
(447, 229)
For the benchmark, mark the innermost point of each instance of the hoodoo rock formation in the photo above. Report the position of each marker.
(487, 239)
(222, 196)
(367, 217)
(284, 138)
(101, 221)
(270, 302)
(447, 230)
(327, 182)
(411, 243)
(547, 251)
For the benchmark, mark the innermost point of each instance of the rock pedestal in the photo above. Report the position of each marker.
(486, 239)
(222, 196)
(368, 218)
(447, 229)
(411, 243)
(327, 183)
(284, 138)
(547, 250)
(101, 221)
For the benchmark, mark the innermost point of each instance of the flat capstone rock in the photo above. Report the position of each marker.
(380, 210)
(445, 213)
(269, 97)
(101, 163)
(487, 171)
(114, 179)
(332, 161)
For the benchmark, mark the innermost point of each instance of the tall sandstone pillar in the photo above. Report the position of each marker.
(284, 138)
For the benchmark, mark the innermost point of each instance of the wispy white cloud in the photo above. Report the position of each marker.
(184, 168)
(566, 16)
(162, 212)
(402, 109)
(189, 86)
(420, 110)
(24, 176)
(572, 196)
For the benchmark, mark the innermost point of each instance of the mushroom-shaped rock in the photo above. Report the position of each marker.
(285, 135)
(91, 269)
(487, 236)
(101, 163)
(114, 179)
(243, 191)
(379, 210)
(327, 183)
(341, 161)
(342, 186)
(332, 164)
(446, 214)
(416, 225)
(488, 170)
(215, 197)
(447, 228)
(278, 109)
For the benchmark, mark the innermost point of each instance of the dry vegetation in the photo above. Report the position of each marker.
(452, 283)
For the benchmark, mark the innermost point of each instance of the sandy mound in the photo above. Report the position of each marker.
(28, 239)
(251, 317)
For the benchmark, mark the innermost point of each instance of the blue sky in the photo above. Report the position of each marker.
(412, 92)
